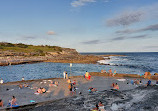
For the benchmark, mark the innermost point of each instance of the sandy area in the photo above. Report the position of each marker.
(24, 95)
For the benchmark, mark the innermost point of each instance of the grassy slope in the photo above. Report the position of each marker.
(31, 48)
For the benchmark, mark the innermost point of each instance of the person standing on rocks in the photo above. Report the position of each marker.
(110, 72)
(66, 75)
(22, 79)
(87, 75)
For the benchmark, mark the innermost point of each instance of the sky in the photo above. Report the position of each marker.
(85, 25)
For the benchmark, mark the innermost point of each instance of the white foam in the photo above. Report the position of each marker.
(103, 62)
(106, 62)
(121, 80)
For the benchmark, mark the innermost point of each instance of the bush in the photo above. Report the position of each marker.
(1, 47)
(5, 44)
(39, 52)
(22, 45)
(55, 48)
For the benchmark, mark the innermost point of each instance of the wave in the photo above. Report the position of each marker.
(127, 62)
(105, 62)
(111, 60)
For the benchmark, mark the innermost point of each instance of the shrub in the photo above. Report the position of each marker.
(39, 52)
(5, 44)
(1, 47)
(22, 45)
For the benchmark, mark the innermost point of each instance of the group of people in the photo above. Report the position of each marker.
(115, 86)
(41, 90)
(110, 72)
(136, 81)
(12, 102)
(99, 107)
(72, 86)
(65, 75)
(54, 83)
(23, 85)
(139, 81)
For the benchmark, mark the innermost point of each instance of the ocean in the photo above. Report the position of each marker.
(130, 63)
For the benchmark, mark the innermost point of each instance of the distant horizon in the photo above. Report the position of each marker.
(118, 52)
(85, 25)
(78, 51)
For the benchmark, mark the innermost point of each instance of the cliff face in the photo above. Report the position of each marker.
(65, 51)
(69, 51)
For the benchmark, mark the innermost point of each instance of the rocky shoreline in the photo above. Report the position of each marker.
(138, 99)
(61, 58)
(125, 99)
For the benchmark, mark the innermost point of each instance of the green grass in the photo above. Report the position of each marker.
(28, 48)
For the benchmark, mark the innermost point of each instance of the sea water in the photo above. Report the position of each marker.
(130, 63)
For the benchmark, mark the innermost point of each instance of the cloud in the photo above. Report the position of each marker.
(150, 28)
(92, 42)
(51, 33)
(129, 31)
(97, 41)
(131, 16)
(139, 37)
(126, 18)
(129, 37)
(28, 37)
(78, 3)
(118, 38)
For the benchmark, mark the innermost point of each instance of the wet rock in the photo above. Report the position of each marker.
(138, 99)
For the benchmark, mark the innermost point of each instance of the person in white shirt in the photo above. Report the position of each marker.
(22, 78)
(1, 81)
(64, 74)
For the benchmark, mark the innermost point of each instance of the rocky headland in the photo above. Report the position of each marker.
(13, 54)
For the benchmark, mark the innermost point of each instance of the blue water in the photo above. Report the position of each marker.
(132, 63)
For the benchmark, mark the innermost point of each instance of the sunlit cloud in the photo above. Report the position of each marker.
(51, 33)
